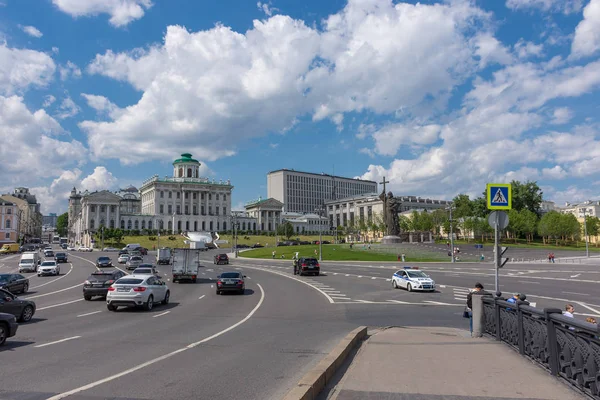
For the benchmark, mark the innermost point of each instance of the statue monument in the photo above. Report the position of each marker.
(391, 207)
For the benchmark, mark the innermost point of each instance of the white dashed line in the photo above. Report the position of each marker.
(58, 341)
(161, 314)
(90, 313)
(200, 298)
(398, 302)
(58, 305)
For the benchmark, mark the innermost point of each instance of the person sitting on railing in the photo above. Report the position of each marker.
(569, 310)
(513, 300)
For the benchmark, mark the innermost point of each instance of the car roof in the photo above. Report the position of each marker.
(145, 266)
(105, 272)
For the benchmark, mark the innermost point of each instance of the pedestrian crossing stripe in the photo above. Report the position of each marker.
(499, 197)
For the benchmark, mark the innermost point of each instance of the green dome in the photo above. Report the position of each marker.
(186, 158)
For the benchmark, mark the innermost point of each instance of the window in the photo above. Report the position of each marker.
(217, 196)
(210, 196)
(195, 226)
(136, 224)
(179, 226)
(161, 208)
(201, 196)
(224, 210)
(129, 226)
(211, 226)
(7, 224)
(143, 224)
(178, 209)
(189, 173)
(112, 224)
(187, 195)
(209, 210)
(224, 225)
(195, 210)
(170, 225)
(9, 210)
(218, 225)
(202, 210)
(170, 208)
(224, 197)
(113, 209)
(203, 225)
(181, 172)
(217, 210)
(162, 194)
(7, 236)
(187, 225)
(194, 195)
(102, 208)
(92, 208)
(122, 224)
(170, 195)
(92, 224)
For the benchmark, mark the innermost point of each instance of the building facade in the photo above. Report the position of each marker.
(30, 217)
(366, 207)
(183, 202)
(304, 192)
(49, 220)
(591, 208)
(9, 222)
(309, 223)
(266, 212)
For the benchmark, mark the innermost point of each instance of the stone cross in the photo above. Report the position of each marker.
(383, 183)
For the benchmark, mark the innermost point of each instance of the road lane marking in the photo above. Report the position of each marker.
(54, 280)
(200, 298)
(212, 286)
(373, 277)
(51, 293)
(436, 302)
(364, 301)
(579, 294)
(398, 302)
(575, 276)
(588, 307)
(161, 314)
(60, 304)
(90, 313)
(58, 341)
(163, 357)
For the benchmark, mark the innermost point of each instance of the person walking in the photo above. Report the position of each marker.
(477, 290)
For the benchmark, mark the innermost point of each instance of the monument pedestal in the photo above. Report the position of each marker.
(391, 240)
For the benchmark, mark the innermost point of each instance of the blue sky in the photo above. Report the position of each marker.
(440, 97)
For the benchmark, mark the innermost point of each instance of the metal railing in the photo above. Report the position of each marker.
(564, 346)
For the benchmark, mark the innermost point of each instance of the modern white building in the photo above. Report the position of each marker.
(179, 203)
(364, 207)
(592, 209)
(308, 223)
(304, 192)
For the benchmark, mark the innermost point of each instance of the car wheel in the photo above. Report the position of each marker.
(25, 288)
(87, 298)
(110, 307)
(27, 314)
(218, 292)
(316, 273)
(39, 275)
(394, 284)
(166, 300)
(150, 303)
(3, 333)
(409, 287)
(242, 291)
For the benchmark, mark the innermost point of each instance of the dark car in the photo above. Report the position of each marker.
(28, 247)
(8, 327)
(63, 246)
(257, 246)
(123, 252)
(61, 258)
(221, 259)
(103, 262)
(48, 253)
(98, 282)
(231, 282)
(306, 265)
(14, 283)
(143, 251)
(23, 310)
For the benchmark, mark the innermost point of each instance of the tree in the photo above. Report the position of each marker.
(530, 222)
(405, 223)
(62, 224)
(462, 206)
(526, 196)
(516, 225)
(438, 217)
(479, 206)
(286, 229)
(593, 227)
(421, 221)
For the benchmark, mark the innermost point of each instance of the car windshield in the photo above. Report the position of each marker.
(145, 266)
(135, 259)
(26, 261)
(142, 271)
(60, 254)
(416, 274)
(230, 275)
(223, 255)
(103, 259)
(310, 261)
(4, 278)
(101, 276)
(129, 281)
(48, 264)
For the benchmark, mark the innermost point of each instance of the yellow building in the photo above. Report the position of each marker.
(9, 221)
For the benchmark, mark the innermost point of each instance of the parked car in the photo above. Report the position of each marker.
(111, 249)
(22, 309)
(134, 262)
(231, 282)
(123, 258)
(14, 283)
(8, 327)
(98, 282)
(221, 259)
(61, 257)
(103, 262)
(137, 291)
(48, 268)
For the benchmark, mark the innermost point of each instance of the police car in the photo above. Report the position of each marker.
(411, 278)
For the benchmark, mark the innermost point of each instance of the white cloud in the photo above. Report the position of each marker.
(48, 101)
(564, 6)
(121, 12)
(67, 108)
(55, 50)
(31, 31)
(100, 179)
(554, 173)
(102, 105)
(35, 143)
(21, 68)
(55, 197)
(562, 115)
(491, 50)
(267, 8)
(390, 138)
(587, 34)
(364, 130)
(69, 69)
(281, 69)
(525, 49)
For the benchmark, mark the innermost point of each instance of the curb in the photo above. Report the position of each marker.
(315, 380)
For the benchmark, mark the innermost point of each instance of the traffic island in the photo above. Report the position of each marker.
(315, 380)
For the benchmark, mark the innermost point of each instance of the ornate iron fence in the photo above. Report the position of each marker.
(566, 347)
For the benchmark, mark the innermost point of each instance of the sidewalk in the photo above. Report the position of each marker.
(442, 364)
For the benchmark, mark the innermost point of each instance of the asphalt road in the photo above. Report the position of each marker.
(255, 346)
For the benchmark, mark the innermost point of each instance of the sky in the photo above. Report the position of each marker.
(440, 97)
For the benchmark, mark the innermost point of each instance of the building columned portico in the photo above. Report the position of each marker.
(266, 212)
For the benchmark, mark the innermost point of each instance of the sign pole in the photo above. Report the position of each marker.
(497, 248)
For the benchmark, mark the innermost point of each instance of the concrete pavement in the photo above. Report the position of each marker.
(442, 364)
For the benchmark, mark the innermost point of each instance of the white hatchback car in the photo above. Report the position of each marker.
(137, 291)
(48, 268)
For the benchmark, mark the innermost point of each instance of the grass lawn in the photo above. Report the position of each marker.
(533, 245)
(269, 240)
(337, 252)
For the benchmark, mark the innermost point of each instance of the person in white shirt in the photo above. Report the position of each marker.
(569, 310)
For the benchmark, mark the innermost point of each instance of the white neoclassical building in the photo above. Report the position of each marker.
(180, 203)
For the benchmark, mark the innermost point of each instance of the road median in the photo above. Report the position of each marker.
(317, 378)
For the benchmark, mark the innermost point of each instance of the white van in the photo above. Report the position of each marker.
(132, 246)
(29, 262)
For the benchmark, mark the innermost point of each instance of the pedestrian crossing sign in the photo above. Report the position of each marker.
(499, 196)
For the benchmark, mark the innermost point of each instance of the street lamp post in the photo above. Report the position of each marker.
(587, 244)
(320, 211)
(451, 236)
